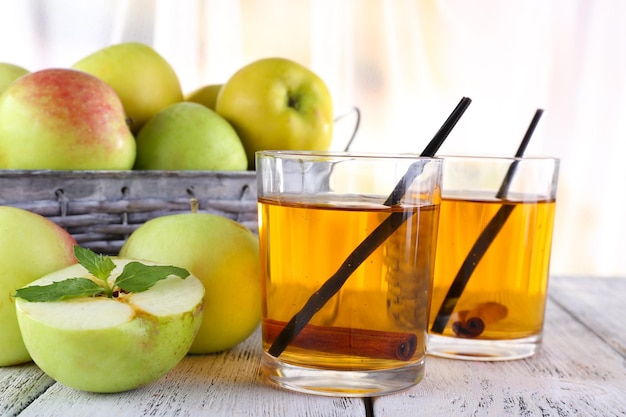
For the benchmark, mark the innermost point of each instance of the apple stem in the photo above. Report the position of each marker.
(293, 102)
(193, 202)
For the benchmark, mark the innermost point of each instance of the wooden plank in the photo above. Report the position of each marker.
(19, 386)
(226, 384)
(599, 303)
(576, 373)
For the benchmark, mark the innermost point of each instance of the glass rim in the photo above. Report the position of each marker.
(344, 154)
(397, 155)
(500, 158)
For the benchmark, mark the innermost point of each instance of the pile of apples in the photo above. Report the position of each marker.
(78, 340)
(143, 335)
(123, 108)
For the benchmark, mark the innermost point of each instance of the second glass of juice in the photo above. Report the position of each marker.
(493, 257)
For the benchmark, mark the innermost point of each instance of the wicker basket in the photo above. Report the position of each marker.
(101, 208)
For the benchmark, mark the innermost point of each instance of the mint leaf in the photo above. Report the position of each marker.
(137, 277)
(60, 290)
(98, 265)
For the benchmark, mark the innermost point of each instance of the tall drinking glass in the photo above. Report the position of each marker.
(346, 269)
(493, 257)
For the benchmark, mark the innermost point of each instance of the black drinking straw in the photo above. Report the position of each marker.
(368, 245)
(484, 240)
(430, 150)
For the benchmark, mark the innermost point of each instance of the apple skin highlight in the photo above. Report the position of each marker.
(63, 119)
(87, 108)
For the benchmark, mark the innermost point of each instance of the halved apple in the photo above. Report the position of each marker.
(102, 344)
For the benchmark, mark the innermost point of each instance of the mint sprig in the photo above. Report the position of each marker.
(61, 290)
(135, 277)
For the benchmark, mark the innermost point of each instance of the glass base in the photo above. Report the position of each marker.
(340, 383)
(482, 350)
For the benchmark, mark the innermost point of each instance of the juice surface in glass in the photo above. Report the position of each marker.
(377, 320)
(507, 289)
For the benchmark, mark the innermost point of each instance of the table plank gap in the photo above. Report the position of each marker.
(19, 386)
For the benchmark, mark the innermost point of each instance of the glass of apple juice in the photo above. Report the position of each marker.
(493, 257)
(347, 246)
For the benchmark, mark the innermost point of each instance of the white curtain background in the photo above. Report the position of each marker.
(405, 64)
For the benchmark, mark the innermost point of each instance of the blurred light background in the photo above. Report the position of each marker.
(405, 64)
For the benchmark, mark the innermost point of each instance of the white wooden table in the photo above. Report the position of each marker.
(580, 371)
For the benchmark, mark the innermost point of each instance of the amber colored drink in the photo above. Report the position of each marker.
(377, 319)
(505, 296)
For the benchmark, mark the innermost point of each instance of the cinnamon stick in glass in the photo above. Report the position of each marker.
(348, 341)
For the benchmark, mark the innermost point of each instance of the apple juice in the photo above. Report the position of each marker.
(377, 320)
(507, 289)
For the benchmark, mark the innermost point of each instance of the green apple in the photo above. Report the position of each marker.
(10, 73)
(276, 103)
(30, 247)
(205, 95)
(63, 119)
(111, 341)
(189, 136)
(144, 79)
(224, 255)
